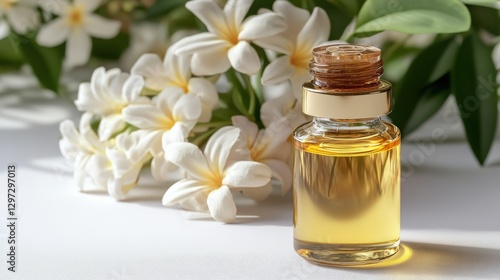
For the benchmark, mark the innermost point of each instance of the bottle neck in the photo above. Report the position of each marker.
(349, 125)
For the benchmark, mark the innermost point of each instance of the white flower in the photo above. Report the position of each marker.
(127, 159)
(210, 175)
(75, 24)
(496, 60)
(269, 146)
(4, 29)
(296, 43)
(85, 151)
(107, 94)
(169, 118)
(284, 110)
(227, 42)
(21, 14)
(145, 37)
(112, 165)
(175, 71)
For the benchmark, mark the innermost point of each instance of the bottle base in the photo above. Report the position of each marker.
(345, 254)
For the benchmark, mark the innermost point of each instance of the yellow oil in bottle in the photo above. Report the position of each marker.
(347, 197)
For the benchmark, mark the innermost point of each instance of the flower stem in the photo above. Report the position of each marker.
(213, 124)
(236, 92)
(200, 139)
(251, 92)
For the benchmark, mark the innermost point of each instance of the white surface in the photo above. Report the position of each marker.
(450, 217)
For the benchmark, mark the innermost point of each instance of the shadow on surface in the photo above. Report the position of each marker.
(424, 259)
(275, 210)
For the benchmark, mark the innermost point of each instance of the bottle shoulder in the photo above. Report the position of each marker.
(346, 141)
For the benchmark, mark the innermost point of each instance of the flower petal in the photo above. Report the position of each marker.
(249, 130)
(145, 116)
(78, 48)
(160, 168)
(210, 62)
(278, 43)
(209, 13)
(187, 108)
(79, 173)
(181, 191)
(243, 174)
(148, 141)
(132, 88)
(22, 19)
(178, 67)
(87, 101)
(53, 33)
(300, 76)
(115, 189)
(221, 205)
(188, 157)
(167, 99)
(496, 56)
(315, 31)
(68, 131)
(178, 133)
(261, 26)
(202, 42)
(272, 142)
(153, 70)
(295, 18)
(235, 11)
(278, 70)
(219, 146)
(100, 27)
(87, 133)
(244, 58)
(197, 203)
(207, 92)
(4, 29)
(281, 171)
(258, 193)
(121, 164)
(98, 168)
(109, 125)
(205, 89)
(89, 5)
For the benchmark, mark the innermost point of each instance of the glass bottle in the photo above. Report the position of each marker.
(346, 161)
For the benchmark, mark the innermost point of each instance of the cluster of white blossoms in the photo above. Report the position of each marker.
(148, 117)
(74, 23)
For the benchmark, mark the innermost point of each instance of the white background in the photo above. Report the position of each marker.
(450, 215)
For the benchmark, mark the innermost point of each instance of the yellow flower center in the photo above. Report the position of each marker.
(76, 16)
(7, 4)
(300, 59)
(181, 84)
(168, 123)
(213, 180)
(230, 34)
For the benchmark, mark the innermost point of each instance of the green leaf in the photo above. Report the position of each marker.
(8, 52)
(485, 18)
(163, 8)
(485, 3)
(181, 19)
(430, 101)
(350, 7)
(417, 84)
(412, 17)
(258, 4)
(339, 19)
(475, 89)
(110, 48)
(45, 62)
